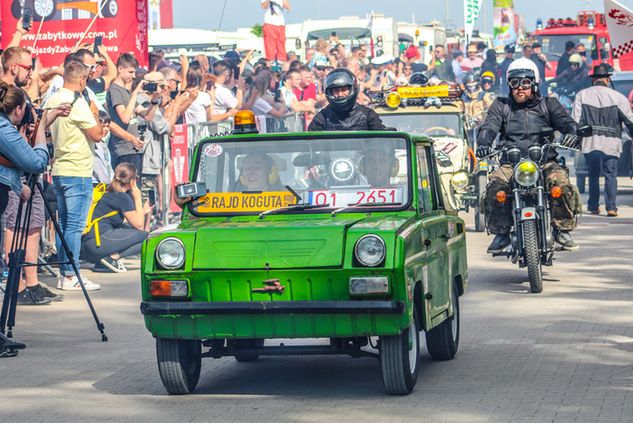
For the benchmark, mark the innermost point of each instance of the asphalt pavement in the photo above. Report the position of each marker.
(560, 356)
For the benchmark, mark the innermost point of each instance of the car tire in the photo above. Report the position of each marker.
(400, 359)
(111, 9)
(247, 343)
(442, 341)
(179, 364)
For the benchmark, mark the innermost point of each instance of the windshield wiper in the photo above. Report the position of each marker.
(356, 205)
(294, 207)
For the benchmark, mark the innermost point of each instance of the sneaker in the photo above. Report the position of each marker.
(596, 211)
(499, 243)
(564, 238)
(612, 213)
(46, 293)
(114, 265)
(72, 284)
(30, 296)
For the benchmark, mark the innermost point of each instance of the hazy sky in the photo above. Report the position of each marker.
(205, 14)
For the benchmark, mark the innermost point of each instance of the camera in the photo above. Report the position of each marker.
(150, 87)
(29, 111)
(191, 190)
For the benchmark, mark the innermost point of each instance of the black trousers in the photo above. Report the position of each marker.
(123, 241)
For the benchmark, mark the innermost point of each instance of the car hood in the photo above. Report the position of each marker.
(271, 243)
(281, 244)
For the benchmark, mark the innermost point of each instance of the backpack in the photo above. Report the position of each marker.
(97, 193)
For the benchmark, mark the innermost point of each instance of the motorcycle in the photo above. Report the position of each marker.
(532, 235)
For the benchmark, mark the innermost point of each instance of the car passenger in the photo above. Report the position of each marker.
(258, 173)
(379, 166)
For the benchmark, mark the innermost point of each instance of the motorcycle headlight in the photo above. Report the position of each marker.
(370, 250)
(170, 254)
(526, 173)
(460, 180)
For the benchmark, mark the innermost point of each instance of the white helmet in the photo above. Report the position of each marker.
(575, 58)
(523, 68)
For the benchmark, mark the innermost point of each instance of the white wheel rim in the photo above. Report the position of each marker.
(413, 346)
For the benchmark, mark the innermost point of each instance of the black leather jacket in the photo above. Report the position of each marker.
(522, 124)
(359, 118)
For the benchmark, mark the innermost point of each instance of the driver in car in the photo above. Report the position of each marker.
(258, 173)
(379, 166)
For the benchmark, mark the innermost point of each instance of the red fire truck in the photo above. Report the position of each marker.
(590, 29)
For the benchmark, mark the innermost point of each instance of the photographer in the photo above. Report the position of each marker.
(110, 239)
(18, 157)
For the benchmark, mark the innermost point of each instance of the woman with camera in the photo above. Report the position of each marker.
(18, 157)
(116, 223)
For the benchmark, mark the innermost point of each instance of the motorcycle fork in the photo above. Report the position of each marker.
(542, 221)
(517, 205)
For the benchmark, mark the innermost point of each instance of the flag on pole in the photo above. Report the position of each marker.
(620, 25)
(471, 13)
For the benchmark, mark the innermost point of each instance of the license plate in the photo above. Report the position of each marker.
(345, 198)
(417, 92)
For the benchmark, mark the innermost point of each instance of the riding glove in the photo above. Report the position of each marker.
(483, 151)
(570, 141)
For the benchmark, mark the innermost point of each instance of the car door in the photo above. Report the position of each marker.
(435, 234)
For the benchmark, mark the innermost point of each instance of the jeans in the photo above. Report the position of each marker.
(597, 160)
(74, 195)
(124, 241)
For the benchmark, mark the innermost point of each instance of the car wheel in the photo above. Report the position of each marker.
(179, 364)
(44, 9)
(443, 340)
(247, 343)
(111, 9)
(400, 359)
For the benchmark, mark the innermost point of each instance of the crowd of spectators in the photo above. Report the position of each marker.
(108, 115)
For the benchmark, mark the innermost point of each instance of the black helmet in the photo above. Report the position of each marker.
(418, 78)
(338, 78)
(471, 81)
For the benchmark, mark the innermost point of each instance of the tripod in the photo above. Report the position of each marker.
(9, 347)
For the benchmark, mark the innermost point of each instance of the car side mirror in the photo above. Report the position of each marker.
(191, 190)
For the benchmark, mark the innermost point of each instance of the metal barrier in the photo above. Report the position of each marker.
(177, 150)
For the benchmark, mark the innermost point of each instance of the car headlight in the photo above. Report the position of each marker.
(370, 250)
(170, 253)
(392, 100)
(460, 180)
(526, 173)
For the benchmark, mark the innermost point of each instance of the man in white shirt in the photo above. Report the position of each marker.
(226, 103)
(274, 29)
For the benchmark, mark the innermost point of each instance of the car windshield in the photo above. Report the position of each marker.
(553, 46)
(257, 176)
(428, 124)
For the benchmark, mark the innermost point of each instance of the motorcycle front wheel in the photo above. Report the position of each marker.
(532, 256)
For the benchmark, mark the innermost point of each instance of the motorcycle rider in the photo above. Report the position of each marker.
(574, 78)
(520, 119)
(476, 99)
(344, 113)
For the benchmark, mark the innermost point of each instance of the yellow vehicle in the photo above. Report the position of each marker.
(437, 112)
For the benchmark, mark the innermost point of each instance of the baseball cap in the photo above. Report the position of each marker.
(384, 59)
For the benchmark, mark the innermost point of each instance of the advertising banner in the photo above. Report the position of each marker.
(60, 25)
(179, 159)
(471, 13)
(503, 21)
(620, 25)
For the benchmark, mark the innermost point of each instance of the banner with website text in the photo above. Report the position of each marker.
(503, 22)
(58, 26)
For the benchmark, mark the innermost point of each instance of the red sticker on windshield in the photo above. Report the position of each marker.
(213, 150)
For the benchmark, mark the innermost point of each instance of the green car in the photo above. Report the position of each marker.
(338, 235)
